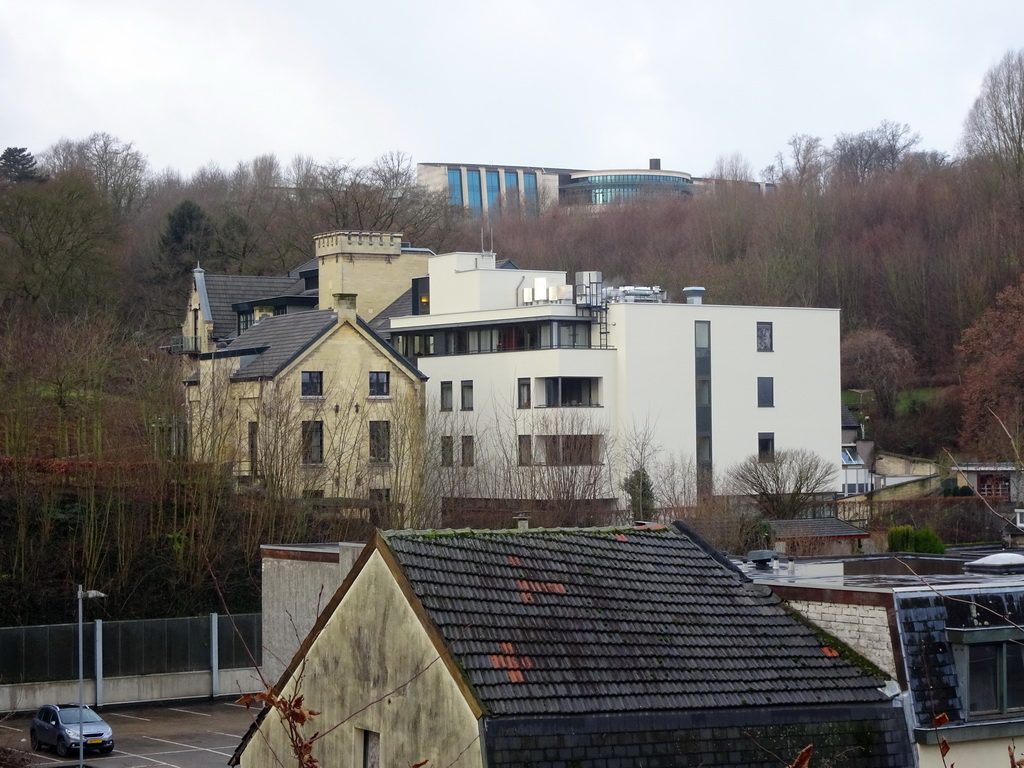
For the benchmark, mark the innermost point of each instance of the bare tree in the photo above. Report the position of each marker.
(785, 484)
(873, 359)
(119, 171)
(994, 127)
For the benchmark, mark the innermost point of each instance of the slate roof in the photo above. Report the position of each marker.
(923, 616)
(589, 621)
(849, 421)
(400, 307)
(277, 341)
(225, 290)
(817, 527)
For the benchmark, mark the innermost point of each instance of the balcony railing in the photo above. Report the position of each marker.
(184, 345)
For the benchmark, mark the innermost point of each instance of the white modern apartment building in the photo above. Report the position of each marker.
(532, 379)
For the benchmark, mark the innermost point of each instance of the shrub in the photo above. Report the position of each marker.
(907, 538)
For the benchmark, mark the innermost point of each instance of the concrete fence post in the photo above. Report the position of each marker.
(98, 658)
(214, 657)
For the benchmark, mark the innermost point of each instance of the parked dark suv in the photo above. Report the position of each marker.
(58, 727)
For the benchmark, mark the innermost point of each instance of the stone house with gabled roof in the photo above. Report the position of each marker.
(582, 648)
(292, 391)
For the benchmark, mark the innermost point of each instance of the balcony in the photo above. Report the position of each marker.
(186, 345)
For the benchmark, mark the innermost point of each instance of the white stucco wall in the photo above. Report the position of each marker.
(294, 591)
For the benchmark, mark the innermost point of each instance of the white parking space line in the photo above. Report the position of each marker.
(146, 757)
(190, 712)
(130, 717)
(235, 704)
(229, 735)
(10, 728)
(217, 751)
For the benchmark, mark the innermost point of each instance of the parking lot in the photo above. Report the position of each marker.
(181, 735)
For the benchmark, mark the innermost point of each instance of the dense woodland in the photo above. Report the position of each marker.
(921, 251)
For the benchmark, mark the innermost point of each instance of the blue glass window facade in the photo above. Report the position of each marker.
(493, 192)
(474, 200)
(512, 188)
(530, 192)
(455, 187)
(622, 187)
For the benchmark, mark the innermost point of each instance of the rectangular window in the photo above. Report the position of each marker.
(524, 393)
(455, 187)
(571, 450)
(446, 395)
(994, 676)
(525, 450)
(254, 449)
(512, 188)
(493, 192)
(380, 384)
(468, 450)
(447, 451)
(474, 200)
(765, 392)
(312, 442)
(380, 442)
(370, 749)
(312, 384)
(530, 193)
(765, 446)
(764, 337)
(467, 395)
(571, 391)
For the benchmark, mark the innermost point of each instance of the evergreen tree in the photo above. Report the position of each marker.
(17, 164)
(638, 487)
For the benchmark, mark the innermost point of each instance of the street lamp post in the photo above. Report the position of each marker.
(90, 593)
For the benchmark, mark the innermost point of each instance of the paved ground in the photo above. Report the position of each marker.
(190, 735)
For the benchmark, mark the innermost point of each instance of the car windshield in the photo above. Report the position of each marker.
(71, 715)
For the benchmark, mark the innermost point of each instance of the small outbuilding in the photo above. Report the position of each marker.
(571, 647)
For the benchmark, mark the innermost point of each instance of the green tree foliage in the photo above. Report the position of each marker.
(637, 486)
(17, 165)
(187, 239)
(907, 538)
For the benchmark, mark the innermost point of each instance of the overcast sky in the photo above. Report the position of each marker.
(561, 83)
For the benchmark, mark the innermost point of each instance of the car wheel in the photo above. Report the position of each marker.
(107, 750)
(34, 740)
(62, 747)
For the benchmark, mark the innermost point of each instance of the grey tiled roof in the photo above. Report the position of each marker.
(225, 290)
(849, 421)
(816, 527)
(400, 307)
(279, 340)
(589, 621)
(923, 618)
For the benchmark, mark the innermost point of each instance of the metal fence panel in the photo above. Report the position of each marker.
(143, 647)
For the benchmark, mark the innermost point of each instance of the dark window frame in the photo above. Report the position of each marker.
(380, 384)
(765, 391)
(311, 384)
(447, 396)
(380, 442)
(312, 436)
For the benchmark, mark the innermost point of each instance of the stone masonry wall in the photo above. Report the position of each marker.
(864, 628)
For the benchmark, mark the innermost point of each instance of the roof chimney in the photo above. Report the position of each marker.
(522, 521)
(694, 294)
(655, 163)
(345, 305)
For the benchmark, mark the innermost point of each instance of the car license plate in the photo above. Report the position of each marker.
(94, 741)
